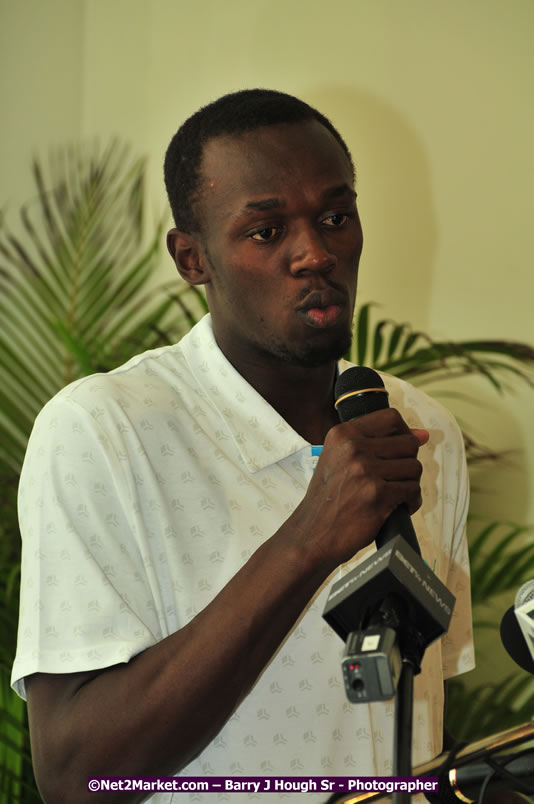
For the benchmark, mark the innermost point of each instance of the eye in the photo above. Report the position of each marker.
(336, 220)
(264, 235)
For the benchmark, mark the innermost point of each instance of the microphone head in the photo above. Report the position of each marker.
(524, 594)
(358, 391)
(513, 640)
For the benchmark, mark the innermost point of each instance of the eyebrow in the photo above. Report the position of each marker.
(278, 203)
(339, 190)
(264, 204)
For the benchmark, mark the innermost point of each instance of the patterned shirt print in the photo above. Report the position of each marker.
(145, 490)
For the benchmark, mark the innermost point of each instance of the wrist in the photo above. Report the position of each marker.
(305, 549)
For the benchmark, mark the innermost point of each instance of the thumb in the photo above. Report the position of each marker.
(421, 435)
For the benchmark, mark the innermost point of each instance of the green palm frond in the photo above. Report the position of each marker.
(397, 349)
(74, 286)
(76, 296)
(502, 559)
(473, 713)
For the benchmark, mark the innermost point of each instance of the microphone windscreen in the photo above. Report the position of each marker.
(359, 390)
(514, 641)
(524, 594)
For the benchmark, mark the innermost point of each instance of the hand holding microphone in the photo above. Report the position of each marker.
(360, 392)
(367, 469)
(393, 596)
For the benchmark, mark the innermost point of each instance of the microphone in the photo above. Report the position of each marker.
(391, 604)
(517, 628)
(359, 391)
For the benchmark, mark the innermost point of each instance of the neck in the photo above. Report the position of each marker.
(303, 396)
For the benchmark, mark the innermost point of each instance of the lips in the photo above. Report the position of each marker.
(322, 299)
(322, 308)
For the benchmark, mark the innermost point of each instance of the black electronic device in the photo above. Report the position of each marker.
(394, 570)
(393, 594)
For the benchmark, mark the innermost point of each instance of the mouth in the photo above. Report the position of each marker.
(322, 309)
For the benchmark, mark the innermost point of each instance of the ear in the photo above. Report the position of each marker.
(188, 256)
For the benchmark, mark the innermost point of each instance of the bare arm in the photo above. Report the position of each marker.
(154, 714)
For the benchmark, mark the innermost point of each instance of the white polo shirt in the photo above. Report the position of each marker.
(144, 491)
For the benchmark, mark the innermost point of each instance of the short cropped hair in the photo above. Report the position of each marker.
(235, 113)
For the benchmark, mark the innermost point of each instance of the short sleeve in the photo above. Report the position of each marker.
(85, 598)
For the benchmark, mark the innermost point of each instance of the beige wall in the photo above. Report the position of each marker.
(434, 97)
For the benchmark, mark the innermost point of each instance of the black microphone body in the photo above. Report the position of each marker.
(360, 391)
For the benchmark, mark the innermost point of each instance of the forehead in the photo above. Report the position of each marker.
(272, 161)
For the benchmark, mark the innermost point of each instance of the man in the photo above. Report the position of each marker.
(178, 541)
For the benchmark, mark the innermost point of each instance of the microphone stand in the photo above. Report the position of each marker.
(412, 648)
(394, 658)
(402, 740)
(387, 610)
(358, 392)
(397, 615)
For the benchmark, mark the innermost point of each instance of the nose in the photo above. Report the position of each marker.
(309, 252)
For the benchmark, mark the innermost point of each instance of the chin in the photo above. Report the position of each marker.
(313, 355)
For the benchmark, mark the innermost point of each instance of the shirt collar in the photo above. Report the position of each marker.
(261, 436)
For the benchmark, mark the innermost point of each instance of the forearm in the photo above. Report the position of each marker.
(154, 714)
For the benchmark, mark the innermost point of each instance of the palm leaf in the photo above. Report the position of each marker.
(501, 560)
(399, 350)
(74, 286)
(74, 299)
(473, 713)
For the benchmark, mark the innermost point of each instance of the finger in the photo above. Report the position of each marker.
(409, 469)
(379, 423)
(422, 436)
(405, 491)
(405, 445)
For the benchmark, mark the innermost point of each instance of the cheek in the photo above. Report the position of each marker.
(240, 281)
(248, 297)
